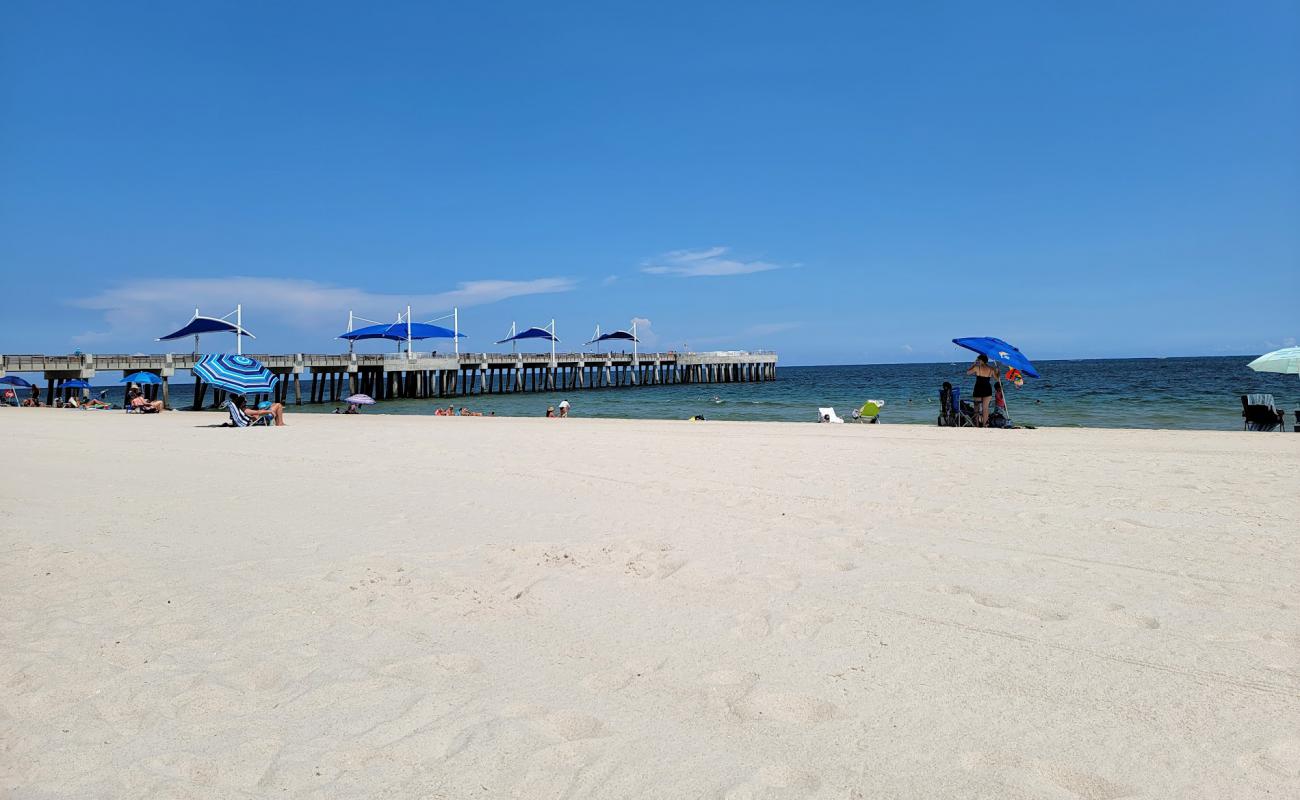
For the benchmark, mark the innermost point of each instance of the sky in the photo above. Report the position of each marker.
(840, 182)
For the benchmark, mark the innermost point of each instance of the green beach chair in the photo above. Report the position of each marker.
(869, 412)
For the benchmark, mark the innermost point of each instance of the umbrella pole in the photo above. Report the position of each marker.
(1005, 404)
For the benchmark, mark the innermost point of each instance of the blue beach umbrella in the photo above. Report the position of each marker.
(16, 382)
(75, 383)
(237, 374)
(1000, 351)
(141, 377)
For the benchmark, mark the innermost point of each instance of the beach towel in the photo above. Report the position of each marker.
(238, 419)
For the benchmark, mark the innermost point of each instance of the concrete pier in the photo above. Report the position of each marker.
(419, 375)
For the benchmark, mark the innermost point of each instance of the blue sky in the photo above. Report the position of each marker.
(844, 183)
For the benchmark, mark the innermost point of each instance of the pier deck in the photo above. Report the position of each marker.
(422, 374)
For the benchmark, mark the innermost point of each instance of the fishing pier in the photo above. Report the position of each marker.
(331, 377)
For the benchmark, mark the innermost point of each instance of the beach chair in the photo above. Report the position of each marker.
(828, 415)
(1260, 414)
(953, 412)
(869, 412)
(238, 419)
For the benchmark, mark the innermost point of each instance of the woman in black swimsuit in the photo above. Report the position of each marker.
(984, 373)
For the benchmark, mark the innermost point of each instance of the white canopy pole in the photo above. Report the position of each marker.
(351, 342)
(408, 333)
(196, 336)
(634, 338)
(239, 332)
(552, 342)
(455, 328)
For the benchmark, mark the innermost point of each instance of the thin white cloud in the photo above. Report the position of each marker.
(748, 334)
(609, 280)
(769, 328)
(907, 348)
(131, 307)
(711, 262)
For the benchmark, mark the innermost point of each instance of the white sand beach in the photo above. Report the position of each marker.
(422, 607)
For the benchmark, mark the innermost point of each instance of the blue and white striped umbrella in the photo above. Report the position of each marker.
(235, 374)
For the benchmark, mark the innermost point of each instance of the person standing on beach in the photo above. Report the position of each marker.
(984, 373)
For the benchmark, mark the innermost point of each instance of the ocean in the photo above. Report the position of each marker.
(1191, 393)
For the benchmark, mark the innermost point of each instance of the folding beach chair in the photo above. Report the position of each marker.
(238, 419)
(869, 412)
(828, 415)
(1260, 414)
(953, 413)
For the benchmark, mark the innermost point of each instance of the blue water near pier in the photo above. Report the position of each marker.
(1201, 393)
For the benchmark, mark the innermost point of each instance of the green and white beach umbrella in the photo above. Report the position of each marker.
(1285, 361)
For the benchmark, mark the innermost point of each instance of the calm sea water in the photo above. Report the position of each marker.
(1131, 393)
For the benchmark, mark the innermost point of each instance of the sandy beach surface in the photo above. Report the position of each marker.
(477, 608)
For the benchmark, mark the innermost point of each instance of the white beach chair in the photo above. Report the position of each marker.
(828, 415)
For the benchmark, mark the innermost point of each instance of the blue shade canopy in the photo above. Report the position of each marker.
(75, 383)
(201, 325)
(396, 332)
(531, 333)
(623, 335)
(235, 374)
(1000, 351)
(141, 377)
(14, 380)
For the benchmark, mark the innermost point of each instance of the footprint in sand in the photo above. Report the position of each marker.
(803, 625)
(1023, 607)
(722, 690)
(618, 678)
(1280, 759)
(1126, 617)
(1039, 777)
(752, 626)
(774, 782)
(785, 581)
(569, 725)
(788, 707)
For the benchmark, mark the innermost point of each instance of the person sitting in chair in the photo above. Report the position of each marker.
(135, 399)
(275, 412)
